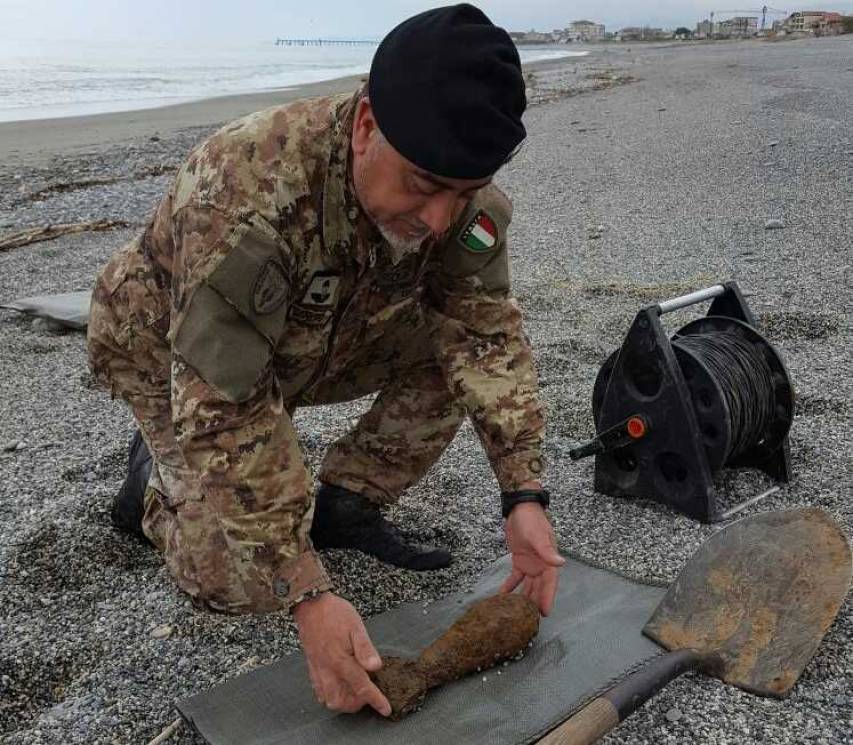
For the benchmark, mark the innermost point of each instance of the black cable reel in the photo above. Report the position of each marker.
(672, 412)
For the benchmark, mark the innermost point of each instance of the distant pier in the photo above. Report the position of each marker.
(323, 42)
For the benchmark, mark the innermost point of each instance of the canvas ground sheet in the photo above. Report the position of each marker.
(591, 639)
(70, 309)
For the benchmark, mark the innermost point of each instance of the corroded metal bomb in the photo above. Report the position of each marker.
(490, 631)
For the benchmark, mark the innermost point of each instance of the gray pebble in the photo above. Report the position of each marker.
(673, 714)
(47, 325)
(163, 631)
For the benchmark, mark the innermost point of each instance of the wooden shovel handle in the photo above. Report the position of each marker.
(597, 718)
(602, 714)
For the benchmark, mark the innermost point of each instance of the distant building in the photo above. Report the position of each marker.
(635, 33)
(703, 29)
(813, 22)
(531, 37)
(586, 31)
(739, 26)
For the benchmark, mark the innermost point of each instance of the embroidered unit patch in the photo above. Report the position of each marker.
(480, 234)
(321, 290)
(270, 289)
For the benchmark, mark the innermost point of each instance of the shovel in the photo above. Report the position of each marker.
(750, 607)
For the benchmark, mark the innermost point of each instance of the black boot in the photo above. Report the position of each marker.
(344, 519)
(128, 503)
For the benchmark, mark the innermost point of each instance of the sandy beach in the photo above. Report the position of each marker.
(649, 171)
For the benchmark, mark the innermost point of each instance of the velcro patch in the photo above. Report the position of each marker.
(270, 288)
(322, 290)
(480, 234)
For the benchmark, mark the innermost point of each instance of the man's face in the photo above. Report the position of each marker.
(407, 204)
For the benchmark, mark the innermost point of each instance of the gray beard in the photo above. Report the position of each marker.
(400, 247)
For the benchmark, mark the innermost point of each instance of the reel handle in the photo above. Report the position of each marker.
(627, 431)
(691, 298)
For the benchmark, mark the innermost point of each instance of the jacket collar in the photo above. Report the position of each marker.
(348, 232)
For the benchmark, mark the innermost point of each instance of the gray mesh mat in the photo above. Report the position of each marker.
(590, 639)
(70, 309)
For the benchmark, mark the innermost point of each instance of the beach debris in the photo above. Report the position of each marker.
(773, 143)
(595, 233)
(674, 714)
(167, 733)
(13, 446)
(63, 187)
(164, 631)
(66, 186)
(774, 224)
(249, 664)
(49, 232)
(154, 171)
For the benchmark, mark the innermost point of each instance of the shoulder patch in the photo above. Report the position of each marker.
(255, 278)
(477, 242)
(480, 234)
(235, 317)
(482, 227)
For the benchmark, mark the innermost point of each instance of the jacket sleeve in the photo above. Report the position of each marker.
(480, 342)
(231, 284)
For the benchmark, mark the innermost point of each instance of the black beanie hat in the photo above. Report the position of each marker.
(447, 92)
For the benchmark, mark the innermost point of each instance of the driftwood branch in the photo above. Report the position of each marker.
(166, 733)
(49, 232)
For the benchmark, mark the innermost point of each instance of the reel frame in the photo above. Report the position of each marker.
(688, 419)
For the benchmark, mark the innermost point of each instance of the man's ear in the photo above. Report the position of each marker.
(363, 127)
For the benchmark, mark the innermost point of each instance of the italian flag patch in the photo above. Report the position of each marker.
(480, 234)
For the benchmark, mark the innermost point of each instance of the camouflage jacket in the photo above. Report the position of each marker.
(268, 271)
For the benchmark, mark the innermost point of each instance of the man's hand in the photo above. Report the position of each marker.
(535, 559)
(339, 654)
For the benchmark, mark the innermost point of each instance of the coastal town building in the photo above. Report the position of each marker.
(644, 33)
(739, 26)
(586, 31)
(577, 31)
(813, 22)
(703, 29)
(531, 37)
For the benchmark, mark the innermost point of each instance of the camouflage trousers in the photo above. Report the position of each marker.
(412, 420)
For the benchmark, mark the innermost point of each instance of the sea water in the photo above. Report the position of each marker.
(47, 79)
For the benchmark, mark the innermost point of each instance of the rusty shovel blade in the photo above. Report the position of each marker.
(758, 597)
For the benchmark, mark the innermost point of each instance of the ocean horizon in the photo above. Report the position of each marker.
(55, 79)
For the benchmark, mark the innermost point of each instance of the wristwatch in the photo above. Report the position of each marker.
(511, 498)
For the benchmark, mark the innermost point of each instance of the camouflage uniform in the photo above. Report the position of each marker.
(260, 285)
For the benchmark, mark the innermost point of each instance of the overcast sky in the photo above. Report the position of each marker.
(244, 20)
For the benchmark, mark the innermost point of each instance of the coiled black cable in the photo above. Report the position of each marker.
(746, 380)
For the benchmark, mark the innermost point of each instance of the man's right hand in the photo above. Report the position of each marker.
(339, 654)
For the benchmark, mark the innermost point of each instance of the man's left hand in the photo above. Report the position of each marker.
(535, 559)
